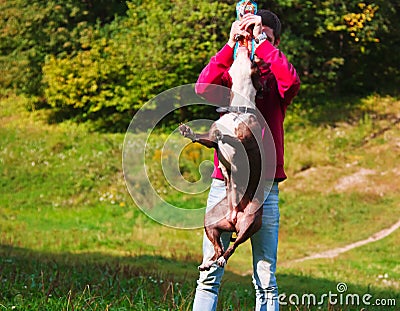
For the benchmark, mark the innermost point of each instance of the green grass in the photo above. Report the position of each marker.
(71, 237)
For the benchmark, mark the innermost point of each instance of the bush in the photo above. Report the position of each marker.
(157, 47)
(30, 30)
(100, 63)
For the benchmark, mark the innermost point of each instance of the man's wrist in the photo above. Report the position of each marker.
(231, 43)
(261, 38)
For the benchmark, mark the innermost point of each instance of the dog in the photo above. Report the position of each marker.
(237, 137)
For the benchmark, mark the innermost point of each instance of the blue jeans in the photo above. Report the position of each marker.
(264, 245)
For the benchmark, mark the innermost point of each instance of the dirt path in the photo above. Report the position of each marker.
(336, 251)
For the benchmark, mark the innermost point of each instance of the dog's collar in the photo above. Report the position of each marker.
(237, 109)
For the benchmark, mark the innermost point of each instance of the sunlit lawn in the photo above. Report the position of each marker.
(71, 237)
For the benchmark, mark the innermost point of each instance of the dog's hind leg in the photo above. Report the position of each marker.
(214, 235)
(222, 260)
(249, 224)
(215, 222)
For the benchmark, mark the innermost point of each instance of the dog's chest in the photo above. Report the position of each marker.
(228, 125)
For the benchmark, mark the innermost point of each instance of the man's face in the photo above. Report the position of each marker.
(270, 33)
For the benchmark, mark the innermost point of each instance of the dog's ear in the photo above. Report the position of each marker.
(255, 77)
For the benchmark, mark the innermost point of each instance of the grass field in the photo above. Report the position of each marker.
(71, 237)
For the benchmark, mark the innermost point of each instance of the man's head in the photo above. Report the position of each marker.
(271, 25)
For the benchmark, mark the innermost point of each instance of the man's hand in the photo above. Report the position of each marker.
(236, 30)
(250, 19)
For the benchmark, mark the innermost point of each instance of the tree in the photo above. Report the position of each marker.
(336, 44)
(30, 30)
(158, 46)
(104, 63)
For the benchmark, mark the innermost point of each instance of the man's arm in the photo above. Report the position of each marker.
(215, 73)
(286, 76)
(216, 68)
(210, 83)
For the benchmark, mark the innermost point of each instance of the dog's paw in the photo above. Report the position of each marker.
(221, 261)
(202, 268)
(187, 132)
(184, 129)
(205, 266)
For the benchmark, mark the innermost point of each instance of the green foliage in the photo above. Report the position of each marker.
(157, 47)
(88, 77)
(30, 30)
(335, 45)
(100, 63)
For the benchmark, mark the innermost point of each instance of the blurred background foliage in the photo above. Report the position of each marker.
(103, 60)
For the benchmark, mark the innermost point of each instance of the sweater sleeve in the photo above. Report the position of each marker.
(286, 76)
(215, 73)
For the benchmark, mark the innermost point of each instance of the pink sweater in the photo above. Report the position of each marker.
(280, 85)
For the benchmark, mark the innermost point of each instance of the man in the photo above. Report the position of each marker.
(280, 85)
